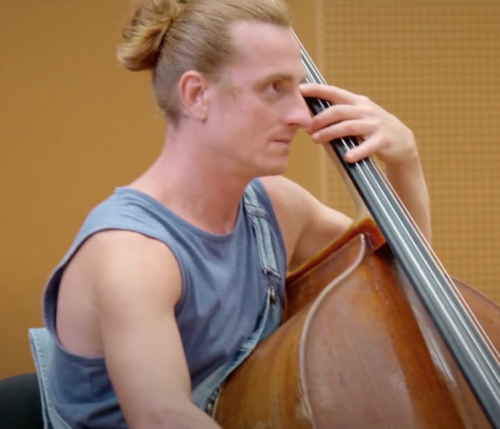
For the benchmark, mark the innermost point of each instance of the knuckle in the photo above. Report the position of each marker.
(349, 127)
(366, 110)
(364, 99)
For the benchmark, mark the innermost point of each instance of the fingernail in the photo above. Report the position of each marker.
(348, 155)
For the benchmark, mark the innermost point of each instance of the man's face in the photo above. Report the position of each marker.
(256, 107)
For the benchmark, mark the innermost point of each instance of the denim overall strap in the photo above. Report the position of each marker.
(205, 394)
(267, 256)
(42, 347)
(262, 229)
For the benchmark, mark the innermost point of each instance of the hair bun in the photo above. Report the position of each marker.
(144, 33)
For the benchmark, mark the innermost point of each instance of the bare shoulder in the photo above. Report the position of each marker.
(307, 225)
(128, 264)
(286, 192)
(113, 275)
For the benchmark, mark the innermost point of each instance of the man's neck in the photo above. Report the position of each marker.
(194, 186)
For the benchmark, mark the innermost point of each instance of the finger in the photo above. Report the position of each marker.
(356, 127)
(334, 114)
(330, 93)
(364, 150)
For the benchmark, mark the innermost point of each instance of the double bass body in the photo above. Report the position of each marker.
(355, 351)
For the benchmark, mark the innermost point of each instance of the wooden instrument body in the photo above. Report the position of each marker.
(355, 350)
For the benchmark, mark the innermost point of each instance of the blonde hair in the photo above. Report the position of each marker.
(170, 37)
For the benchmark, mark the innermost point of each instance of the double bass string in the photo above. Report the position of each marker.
(464, 336)
(374, 180)
(316, 78)
(450, 283)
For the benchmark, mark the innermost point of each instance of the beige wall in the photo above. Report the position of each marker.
(436, 65)
(74, 126)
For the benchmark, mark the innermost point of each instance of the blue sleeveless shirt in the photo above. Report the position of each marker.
(224, 291)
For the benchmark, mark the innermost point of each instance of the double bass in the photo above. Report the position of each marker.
(375, 333)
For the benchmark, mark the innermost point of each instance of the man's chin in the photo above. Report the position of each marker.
(274, 170)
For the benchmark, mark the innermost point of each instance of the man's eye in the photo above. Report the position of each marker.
(275, 87)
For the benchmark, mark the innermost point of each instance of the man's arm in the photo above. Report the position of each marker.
(407, 180)
(137, 285)
(306, 224)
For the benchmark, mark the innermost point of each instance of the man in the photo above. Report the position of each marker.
(176, 274)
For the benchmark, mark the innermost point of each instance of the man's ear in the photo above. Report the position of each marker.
(193, 97)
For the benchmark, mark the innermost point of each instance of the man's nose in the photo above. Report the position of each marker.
(299, 114)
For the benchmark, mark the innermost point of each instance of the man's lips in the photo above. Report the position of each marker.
(286, 140)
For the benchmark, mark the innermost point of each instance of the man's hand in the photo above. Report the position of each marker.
(382, 133)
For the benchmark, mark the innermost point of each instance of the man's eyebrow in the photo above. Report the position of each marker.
(280, 76)
(285, 77)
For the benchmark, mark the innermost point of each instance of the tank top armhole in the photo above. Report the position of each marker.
(53, 283)
(178, 257)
